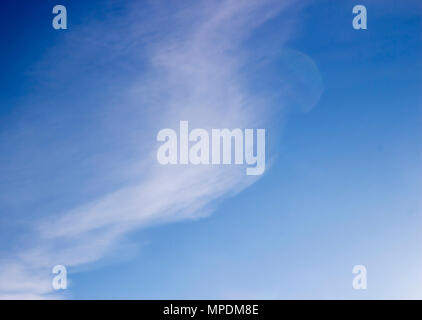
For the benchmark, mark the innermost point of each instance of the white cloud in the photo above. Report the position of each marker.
(194, 72)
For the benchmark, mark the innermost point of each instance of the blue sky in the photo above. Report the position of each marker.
(79, 185)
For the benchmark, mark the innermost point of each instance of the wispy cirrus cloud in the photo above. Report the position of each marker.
(146, 69)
